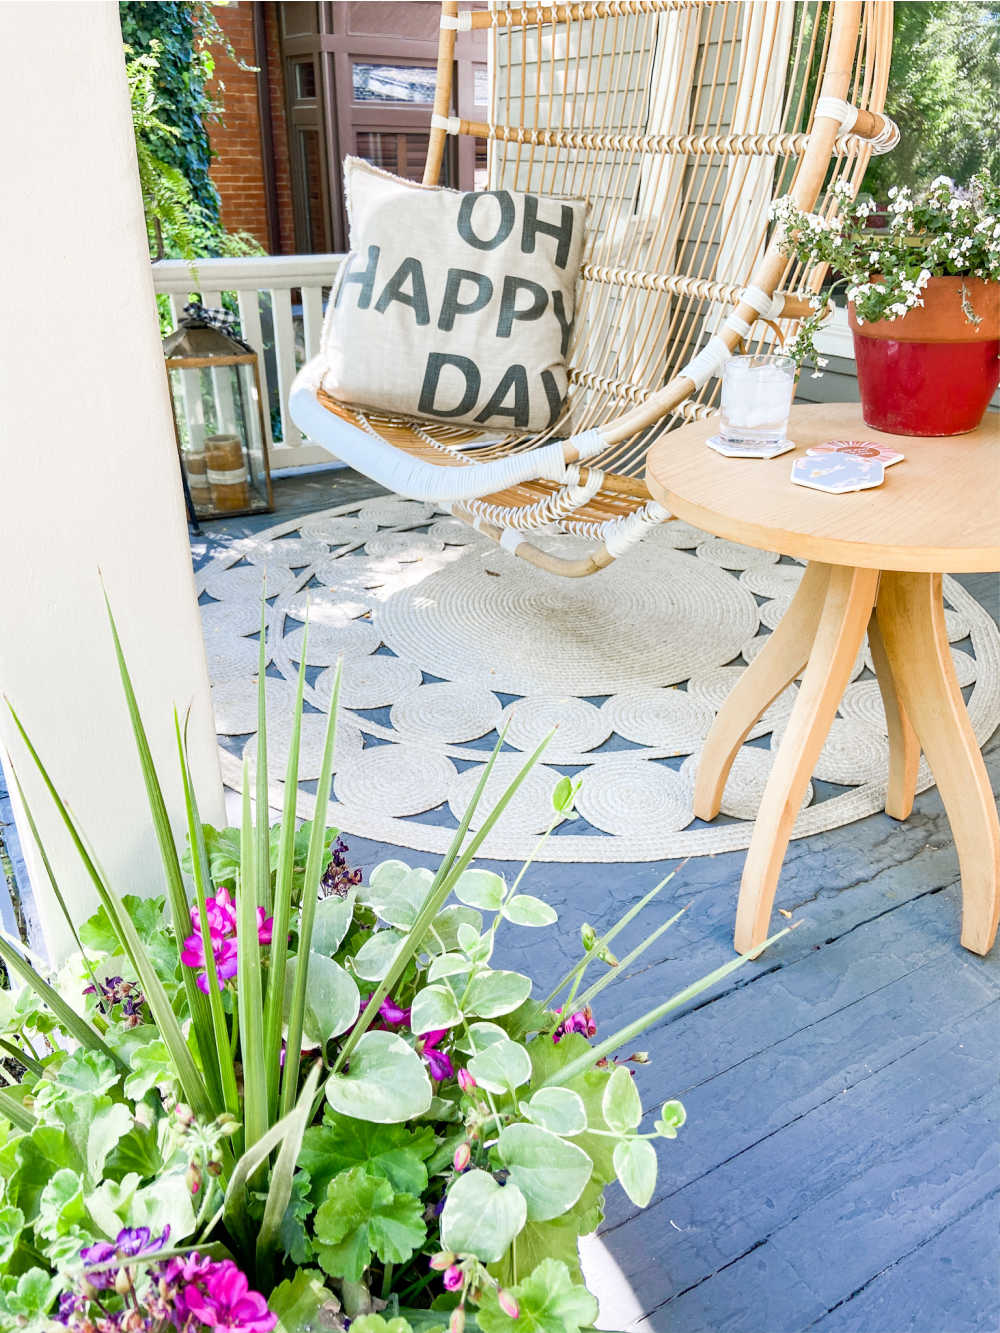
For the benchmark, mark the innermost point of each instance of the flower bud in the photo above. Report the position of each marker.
(456, 1324)
(465, 1080)
(639, 1057)
(123, 1282)
(215, 1168)
(88, 1289)
(588, 936)
(439, 1262)
(463, 1155)
(508, 1304)
(453, 1278)
(193, 1178)
(184, 1115)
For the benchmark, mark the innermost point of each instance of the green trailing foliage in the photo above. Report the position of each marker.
(321, 1080)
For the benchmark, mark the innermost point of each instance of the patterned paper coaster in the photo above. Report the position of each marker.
(838, 473)
(748, 448)
(858, 449)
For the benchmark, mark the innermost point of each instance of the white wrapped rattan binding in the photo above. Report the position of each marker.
(576, 495)
(768, 307)
(511, 539)
(837, 109)
(450, 124)
(624, 533)
(707, 363)
(739, 325)
(461, 22)
(887, 138)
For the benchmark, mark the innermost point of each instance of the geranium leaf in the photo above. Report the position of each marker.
(620, 1104)
(362, 1213)
(332, 998)
(549, 1302)
(494, 993)
(549, 1171)
(392, 1151)
(88, 1071)
(482, 1217)
(635, 1167)
(61, 1206)
(11, 1226)
(385, 1082)
(559, 1110)
(106, 1128)
(501, 1067)
(151, 1065)
(375, 957)
(525, 910)
(434, 1007)
(480, 888)
(298, 1301)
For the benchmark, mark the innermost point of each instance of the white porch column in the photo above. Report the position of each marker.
(88, 467)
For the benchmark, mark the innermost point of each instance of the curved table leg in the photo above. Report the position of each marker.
(904, 748)
(775, 666)
(911, 618)
(846, 609)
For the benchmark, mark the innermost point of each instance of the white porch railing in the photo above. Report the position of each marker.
(280, 302)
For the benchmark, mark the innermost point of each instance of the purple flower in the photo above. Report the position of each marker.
(390, 1012)
(265, 927)
(452, 1278)
(221, 913)
(337, 879)
(69, 1303)
(438, 1062)
(133, 1241)
(582, 1021)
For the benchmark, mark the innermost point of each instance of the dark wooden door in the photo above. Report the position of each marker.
(359, 81)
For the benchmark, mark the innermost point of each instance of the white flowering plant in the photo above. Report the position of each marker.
(885, 265)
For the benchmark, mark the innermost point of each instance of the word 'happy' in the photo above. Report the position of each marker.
(512, 300)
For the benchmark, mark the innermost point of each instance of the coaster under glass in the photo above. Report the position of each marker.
(748, 448)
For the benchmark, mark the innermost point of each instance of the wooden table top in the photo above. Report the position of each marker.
(938, 511)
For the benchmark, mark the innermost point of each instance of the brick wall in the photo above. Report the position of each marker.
(237, 169)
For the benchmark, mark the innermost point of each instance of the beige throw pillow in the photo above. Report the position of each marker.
(453, 306)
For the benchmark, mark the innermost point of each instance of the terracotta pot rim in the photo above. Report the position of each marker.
(941, 318)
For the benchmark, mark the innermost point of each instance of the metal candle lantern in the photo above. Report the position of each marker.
(218, 411)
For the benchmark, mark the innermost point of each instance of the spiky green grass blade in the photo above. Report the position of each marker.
(263, 852)
(176, 895)
(282, 1175)
(16, 1112)
(307, 913)
(187, 1071)
(203, 882)
(248, 982)
(283, 900)
(71, 1021)
(629, 1033)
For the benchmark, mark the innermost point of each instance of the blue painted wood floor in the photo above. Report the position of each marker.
(839, 1171)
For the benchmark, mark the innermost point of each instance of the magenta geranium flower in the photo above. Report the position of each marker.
(438, 1062)
(221, 914)
(223, 1301)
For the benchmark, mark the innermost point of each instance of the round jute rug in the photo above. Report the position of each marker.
(445, 637)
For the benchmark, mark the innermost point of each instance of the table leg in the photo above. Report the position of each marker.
(844, 618)
(904, 748)
(911, 617)
(776, 665)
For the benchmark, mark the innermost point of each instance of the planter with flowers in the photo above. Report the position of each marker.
(278, 1098)
(923, 295)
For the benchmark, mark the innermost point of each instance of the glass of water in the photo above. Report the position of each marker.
(756, 399)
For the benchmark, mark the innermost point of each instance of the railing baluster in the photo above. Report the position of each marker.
(284, 347)
(249, 307)
(312, 318)
(222, 382)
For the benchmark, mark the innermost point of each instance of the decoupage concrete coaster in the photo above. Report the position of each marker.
(838, 473)
(858, 449)
(747, 448)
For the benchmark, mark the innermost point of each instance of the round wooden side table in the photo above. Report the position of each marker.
(875, 560)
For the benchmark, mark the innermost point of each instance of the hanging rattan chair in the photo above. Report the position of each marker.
(679, 121)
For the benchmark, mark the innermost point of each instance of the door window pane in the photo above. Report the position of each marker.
(401, 153)
(311, 166)
(392, 83)
(305, 80)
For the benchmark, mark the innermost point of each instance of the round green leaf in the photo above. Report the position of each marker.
(501, 1067)
(447, 965)
(434, 1007)
(620, 1104)
(374, 958)
(635, 1167)
(444, 937)
(672, 1117)
(494, 993)
(482, 1217)
(480, 1036)
(549, 1172)
(385, 1081)
(560, 1110)
(476, 947)
(333, 918)
(562, 796)
(396, 897)
(332, 999)
(480, 888)
(524, 910)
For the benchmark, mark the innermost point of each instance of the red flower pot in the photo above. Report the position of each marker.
(934, 371)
